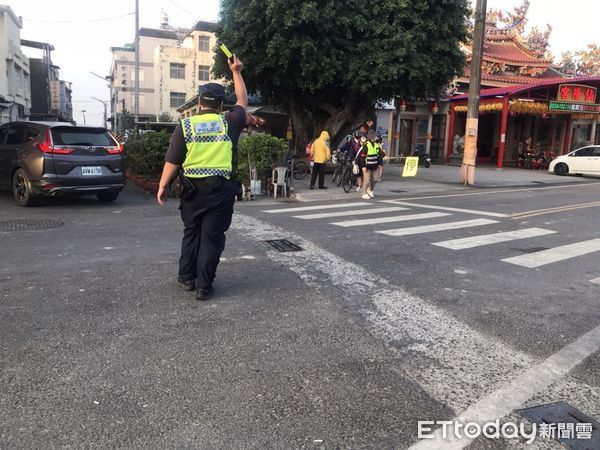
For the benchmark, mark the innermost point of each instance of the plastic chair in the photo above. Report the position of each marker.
(278, 178)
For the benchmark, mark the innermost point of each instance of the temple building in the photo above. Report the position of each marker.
(526, 102)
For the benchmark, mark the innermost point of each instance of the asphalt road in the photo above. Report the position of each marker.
(345, 344)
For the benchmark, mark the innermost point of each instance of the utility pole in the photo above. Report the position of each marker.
(83, 111)
(467, 171)
(113, 110)
(137, 63)
(104, 104)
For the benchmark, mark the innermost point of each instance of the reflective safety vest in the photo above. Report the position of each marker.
(372, 154)
(209, 148)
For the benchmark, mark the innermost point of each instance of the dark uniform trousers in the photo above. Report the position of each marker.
(206, 213)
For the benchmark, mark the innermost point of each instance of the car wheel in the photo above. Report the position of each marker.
(21, 188)
(561, 169)
(109, 196)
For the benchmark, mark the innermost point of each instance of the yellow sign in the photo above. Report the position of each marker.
(410, 166)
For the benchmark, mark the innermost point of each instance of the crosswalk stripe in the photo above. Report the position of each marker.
(362, 212)
(488, 239)
(552, 255)
(437, 227)
(374, 221)
(446, 208)
(314, 208)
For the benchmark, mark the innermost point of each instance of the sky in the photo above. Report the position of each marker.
(82, 33)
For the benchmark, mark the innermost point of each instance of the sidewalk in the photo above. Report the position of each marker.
(437, 179)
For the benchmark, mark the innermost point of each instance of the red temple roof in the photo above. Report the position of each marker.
(520, 88)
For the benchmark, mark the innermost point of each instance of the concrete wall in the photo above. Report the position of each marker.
(15, 84)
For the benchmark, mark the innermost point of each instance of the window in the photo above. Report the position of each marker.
(204, 73)
(204, 44)
(77, 136)
(16, 136)
(3, 132)
(586, 151)
(177, 71)
(31, 134)
(596, 151)
(177, 99)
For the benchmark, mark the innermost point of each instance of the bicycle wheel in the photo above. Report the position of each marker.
(347, 180)
(337, 175)
(300, 170)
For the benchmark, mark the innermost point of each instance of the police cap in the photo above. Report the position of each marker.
(211, 92)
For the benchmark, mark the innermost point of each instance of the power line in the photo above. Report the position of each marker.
(80, 21)
(183, 9)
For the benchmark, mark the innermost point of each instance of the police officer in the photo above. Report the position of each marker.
(205, 145)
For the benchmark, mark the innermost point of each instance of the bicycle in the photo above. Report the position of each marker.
(300, 168)
(340, 161)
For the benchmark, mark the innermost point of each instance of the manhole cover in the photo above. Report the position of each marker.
(283, 245)
(567, 424)
(29, 224)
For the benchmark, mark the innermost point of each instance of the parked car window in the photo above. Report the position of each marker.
(15, 136)
(74, 136)
(586, 151)
(31, 133)
(3, 132)
(596, 151)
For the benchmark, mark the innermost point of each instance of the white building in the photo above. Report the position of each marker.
(15, 88)
(173, 62)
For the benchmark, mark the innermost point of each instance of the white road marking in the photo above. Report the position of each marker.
(501, 191)
(488, 239)
(514, 394)
(437, 227)
(374, 221)
(351, 213)
(552, 255)
(452, 362)
(446, 208)
(595, 281)
(315, 207)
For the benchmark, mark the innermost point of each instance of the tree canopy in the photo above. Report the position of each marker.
(328, 62)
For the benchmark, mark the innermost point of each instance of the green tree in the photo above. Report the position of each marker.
(165, 117)
(330, 61)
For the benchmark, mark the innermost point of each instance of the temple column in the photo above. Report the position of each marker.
(503, 123)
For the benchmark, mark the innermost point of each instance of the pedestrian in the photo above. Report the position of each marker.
(382, 157)
(321, 153)
(369, 157)
(205, 146)
(362, 139)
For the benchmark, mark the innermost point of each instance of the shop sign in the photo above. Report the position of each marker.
(576, 93)
(573, 107)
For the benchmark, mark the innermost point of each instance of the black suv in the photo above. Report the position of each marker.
(55, 158)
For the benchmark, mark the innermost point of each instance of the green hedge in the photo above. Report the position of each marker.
(264, 150)
(146, 153)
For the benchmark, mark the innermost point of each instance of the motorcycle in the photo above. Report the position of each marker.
(424, 158)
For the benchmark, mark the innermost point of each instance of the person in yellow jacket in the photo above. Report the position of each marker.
(321, 153)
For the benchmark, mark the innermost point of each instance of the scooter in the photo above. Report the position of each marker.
(424, 158)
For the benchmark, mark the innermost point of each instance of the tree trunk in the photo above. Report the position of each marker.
(298, 116)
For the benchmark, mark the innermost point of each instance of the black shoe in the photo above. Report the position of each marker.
(187, 285)
(312, 187)
(204, 294)
(322, 187)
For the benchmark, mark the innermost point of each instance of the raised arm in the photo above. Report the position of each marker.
(239, 85)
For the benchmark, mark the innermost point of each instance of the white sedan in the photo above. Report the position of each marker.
(584, 161)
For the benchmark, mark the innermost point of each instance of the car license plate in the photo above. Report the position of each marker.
(97, 170)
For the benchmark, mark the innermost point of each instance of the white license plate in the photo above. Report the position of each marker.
(91, 170)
